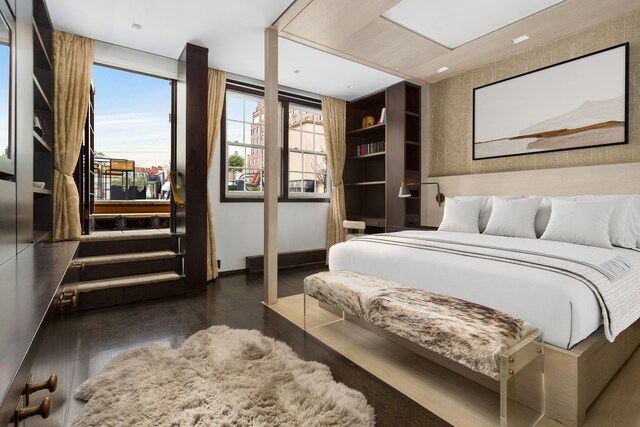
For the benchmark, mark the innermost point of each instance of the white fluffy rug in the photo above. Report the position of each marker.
(219, 377)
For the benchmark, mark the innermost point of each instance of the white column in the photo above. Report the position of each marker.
(272, 157)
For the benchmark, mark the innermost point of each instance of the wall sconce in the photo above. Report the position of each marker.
(404, 190)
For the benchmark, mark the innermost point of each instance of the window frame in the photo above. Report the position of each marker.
(283, 179)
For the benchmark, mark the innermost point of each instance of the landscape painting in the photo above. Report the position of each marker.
(579, 103)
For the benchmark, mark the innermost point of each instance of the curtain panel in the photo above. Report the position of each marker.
(217, 85)
(334, 117)
(72, 63)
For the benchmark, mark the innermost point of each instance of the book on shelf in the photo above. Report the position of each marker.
(371, 148)
(383, 116)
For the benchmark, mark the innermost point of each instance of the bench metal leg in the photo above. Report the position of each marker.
(522, 382)
(308, 325)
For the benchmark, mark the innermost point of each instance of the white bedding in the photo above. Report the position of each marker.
(564, 308)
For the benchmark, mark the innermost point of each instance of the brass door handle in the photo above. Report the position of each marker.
(43, 409)
(175, 187)
(51, 384)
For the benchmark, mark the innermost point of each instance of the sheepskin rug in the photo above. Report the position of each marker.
(219, 377)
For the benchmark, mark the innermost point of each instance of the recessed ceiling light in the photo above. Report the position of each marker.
(442, 69)
(296, 71)
(136, 26)
(520, 39)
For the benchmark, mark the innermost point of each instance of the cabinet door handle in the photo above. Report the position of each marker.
(43, 409)
(51, 384)
(67, 298)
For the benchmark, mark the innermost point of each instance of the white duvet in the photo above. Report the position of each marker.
(564, 308)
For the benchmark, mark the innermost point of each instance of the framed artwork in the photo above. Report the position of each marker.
(579, 103)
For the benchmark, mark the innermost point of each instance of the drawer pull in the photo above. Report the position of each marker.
(77, 265)
(51, 384)
(67, 298)
(43, 409)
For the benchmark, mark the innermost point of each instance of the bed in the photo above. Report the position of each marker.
(563, 307)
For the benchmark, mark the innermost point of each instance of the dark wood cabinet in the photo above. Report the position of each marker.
(382, 155)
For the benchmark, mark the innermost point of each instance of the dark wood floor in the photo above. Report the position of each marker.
(99, 335)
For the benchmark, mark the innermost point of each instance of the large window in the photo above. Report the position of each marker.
(301, 142)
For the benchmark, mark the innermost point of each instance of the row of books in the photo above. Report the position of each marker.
(371, 148)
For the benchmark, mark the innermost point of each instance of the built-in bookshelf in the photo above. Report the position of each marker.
(43, 121)
(380, 156)
(365, 166)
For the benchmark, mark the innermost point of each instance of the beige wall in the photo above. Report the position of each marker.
(449, 148)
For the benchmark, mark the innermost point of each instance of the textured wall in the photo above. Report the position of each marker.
(450, 151)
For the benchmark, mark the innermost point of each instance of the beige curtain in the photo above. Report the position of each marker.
(334, 116)
(217, 85)
(72, 62)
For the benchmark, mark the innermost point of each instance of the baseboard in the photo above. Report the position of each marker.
(288, 259)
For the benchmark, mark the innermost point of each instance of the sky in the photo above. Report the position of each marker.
(132, 116)
(4, 98)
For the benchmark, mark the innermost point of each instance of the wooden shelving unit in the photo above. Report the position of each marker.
(364, 175)
(372, 180)
(43, 110)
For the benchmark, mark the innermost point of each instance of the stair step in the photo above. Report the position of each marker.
(119, 282)
(101, 236)
(125, 257)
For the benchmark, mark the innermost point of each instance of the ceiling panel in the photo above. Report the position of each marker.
(328, 22)
(385, 42)
(455, 22)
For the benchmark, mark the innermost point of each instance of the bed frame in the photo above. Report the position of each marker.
(574, 377)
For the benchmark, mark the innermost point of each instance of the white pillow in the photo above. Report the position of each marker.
(485, 208)
(624, 224)
(583, 222)
(513, 217)
(461, 215)
(544, 213)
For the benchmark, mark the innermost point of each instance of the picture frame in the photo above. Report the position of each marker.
(575, 104)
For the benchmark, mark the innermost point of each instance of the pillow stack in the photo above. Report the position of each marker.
(602, 221)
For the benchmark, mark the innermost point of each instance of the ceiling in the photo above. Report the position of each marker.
(232, 30)
(344, 49)
(412, 39)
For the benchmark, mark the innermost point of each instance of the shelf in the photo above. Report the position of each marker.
(366, 183)
(366, 130)
(368, 156)
(43, 103)
(413, 143)
(41, 141)
(42, 191)
(410, 113)
(40, 41)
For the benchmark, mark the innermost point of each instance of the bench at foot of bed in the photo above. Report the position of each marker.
(479, 338)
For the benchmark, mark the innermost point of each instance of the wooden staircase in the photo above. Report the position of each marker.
(116, 268)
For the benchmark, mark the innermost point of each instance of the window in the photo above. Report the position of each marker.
(245, 144)
(303, 150)
(307, 153)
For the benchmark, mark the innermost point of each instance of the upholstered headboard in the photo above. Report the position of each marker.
(623, 178)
